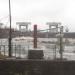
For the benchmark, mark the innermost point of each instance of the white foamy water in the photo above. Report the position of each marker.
(20, 49)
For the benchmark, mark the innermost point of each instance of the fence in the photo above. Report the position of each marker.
(17, 50)
(21, 51)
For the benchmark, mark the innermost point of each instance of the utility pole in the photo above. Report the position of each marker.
(61, 46)
(60, 40)
(9, 39)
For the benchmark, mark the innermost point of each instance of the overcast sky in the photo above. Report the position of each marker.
(39, 12)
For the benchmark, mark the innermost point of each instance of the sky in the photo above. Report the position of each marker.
(39, 12)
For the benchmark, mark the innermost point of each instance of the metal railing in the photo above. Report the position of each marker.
(16, 50)
(21, 51)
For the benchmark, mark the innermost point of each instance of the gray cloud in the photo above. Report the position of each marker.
(40, 11)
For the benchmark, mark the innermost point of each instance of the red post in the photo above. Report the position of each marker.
(35, 36)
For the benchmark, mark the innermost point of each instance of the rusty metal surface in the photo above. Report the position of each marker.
(35, 36)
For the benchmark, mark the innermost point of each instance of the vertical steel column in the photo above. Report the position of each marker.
(4, 50)
(35, 36)
(10, 54)
(61, 47)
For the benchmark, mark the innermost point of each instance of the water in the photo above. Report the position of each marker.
(20, 49)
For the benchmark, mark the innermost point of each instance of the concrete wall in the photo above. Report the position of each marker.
(36, 67)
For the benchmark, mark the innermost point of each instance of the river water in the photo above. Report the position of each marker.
(20, 49)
